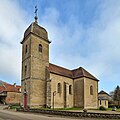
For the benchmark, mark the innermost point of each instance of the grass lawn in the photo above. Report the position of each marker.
(118, 110)
(109, 109)
(59, 108)
(68, 108)
(15, 106)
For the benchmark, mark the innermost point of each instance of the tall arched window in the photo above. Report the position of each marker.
(70, 89)
(26, 49)
(105, 102)
(91, 90)
(59, 88)
(40, 48)
(25, 69)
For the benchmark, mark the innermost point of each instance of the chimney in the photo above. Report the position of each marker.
(14, 84)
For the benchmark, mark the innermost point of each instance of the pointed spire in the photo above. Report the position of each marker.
(36, 18)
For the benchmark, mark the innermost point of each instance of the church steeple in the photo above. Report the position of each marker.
(35, 59)
(36, 18)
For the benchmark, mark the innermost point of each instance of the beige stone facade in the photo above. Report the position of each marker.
(63, 98)
(103, 102)
(48, 85)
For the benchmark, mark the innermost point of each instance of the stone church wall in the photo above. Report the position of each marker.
(79, 92)
(90, 101)
(59, 97)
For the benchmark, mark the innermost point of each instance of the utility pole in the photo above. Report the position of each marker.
(54, 93)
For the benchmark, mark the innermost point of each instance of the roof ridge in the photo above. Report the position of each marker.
(75, 73)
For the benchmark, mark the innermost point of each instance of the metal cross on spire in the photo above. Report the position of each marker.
(36, 9)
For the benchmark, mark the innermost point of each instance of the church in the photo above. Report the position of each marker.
(48, 85)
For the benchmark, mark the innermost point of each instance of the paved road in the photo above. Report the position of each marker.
(10, 115)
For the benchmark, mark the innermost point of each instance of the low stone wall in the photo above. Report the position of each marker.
(75, 114)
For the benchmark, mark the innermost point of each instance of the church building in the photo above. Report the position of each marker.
(48, 85)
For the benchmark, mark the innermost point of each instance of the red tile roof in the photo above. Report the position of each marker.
(76, 73)
(60, 70)
(6, 87)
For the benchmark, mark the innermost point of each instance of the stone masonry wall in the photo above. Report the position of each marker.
(13, 98)
(79, 92)
(90, 101)
(59, 97)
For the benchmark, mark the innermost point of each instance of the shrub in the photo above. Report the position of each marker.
(84, 110)
(102, 108)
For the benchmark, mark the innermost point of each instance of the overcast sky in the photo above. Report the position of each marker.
(83, 33)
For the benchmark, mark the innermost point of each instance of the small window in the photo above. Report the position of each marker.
(26, 49)
(70, 89)
(105, 102)
(91, 90)
(25, 69)
(59, 88)
(40, 48)
(100, 102)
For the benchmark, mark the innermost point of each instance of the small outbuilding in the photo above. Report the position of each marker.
(103, 99)
(9, 94)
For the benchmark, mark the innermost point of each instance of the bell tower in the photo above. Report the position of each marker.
(35, 59)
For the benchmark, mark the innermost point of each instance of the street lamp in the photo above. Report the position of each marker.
(54, 93)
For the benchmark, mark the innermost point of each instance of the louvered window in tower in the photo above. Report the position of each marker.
(40, 48)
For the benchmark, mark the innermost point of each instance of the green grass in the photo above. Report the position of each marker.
(109, 109)
(15, 106)
(118, 110)
(59, 108)
(68, 108)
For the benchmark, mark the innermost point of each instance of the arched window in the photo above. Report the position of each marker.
(40, 48)
(26, 49)
(105, 102)
(70, 89)
(25, 69)
(59, 88)
(91, 90)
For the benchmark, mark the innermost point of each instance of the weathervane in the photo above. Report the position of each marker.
(36, 9)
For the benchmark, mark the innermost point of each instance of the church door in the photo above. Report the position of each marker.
(25, 100)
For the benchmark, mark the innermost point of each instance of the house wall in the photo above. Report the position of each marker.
(103, 103)
(59, 97)
(13, 98)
